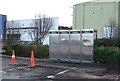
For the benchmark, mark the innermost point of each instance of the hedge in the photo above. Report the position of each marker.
(114, 42)
(106, 54)
(24, 50)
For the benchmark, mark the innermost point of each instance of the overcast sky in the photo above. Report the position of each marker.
(26, 9)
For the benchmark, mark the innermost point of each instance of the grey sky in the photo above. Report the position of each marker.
(26, 9)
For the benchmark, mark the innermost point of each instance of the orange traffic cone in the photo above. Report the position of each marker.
(13, 61)
(32, 62)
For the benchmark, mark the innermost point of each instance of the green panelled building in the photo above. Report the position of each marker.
(97, 15)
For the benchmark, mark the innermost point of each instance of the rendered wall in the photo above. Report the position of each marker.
(95, 15)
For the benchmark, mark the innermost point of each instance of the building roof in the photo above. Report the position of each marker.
(105, 1)
(97, 1)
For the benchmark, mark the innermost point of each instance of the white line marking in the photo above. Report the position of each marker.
(62, 72)
(3, 71)
(117, 78)
(20, 67)
(9, 69)
(73, 68)
(51, 76)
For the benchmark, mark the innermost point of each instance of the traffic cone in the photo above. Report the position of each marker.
(13, 61)
(32, 62)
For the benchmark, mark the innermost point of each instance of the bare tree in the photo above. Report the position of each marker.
(111, 33)
(32, 34)
(42, 23)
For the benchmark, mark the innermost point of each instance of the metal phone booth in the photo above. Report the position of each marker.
(54, 44)
(64, 45)
(75, 45)
(72, 45)
(87, 44)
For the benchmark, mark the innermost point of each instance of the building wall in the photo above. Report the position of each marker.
(20, 23)
(95, 15)
(3, 19)
(105, 0)
(29, 23)
(25, 36)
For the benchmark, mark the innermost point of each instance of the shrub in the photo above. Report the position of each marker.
(8, 49)
(107, 42)
(24, 50)
(106, 54)
(43, 51)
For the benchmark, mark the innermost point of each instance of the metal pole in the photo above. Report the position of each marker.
(59, 44)
(81, 45)
(69, 46)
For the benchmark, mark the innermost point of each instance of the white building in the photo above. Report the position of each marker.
(21, 29)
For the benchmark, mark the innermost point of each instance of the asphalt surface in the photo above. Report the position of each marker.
(48, 70)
